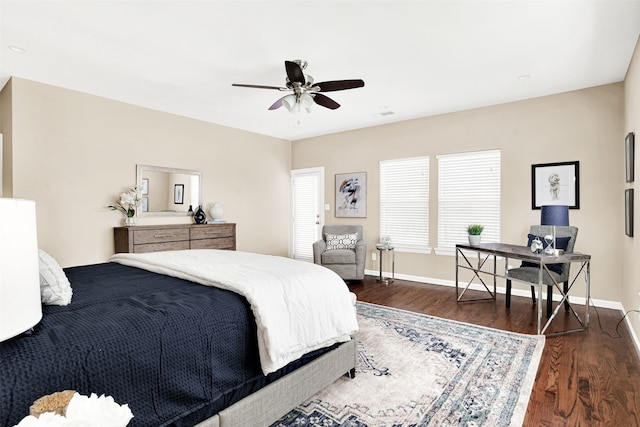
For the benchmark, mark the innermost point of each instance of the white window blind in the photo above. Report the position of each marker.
(404, 203)
(468, 193)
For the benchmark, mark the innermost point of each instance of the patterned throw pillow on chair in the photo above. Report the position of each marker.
(341, 241)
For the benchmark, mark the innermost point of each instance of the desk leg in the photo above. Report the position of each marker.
(588, 286)
(457, 265)
(495, 276)
(539, 307)
(476, 274)
(584, 269)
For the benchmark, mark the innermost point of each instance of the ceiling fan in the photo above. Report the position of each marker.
(305, 91)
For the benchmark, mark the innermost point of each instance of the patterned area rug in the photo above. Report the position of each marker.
(417, 370)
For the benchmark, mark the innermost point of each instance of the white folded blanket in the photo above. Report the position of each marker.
(299, 306)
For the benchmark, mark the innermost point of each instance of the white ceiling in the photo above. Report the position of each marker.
(417, 58)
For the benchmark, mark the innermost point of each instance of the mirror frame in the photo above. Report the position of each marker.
(140, 169)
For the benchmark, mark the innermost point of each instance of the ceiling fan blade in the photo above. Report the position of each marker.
(259, 86)
(277, 104)
(294, 72)
(325, 101)
(339, 85)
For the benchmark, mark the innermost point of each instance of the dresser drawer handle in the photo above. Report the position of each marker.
(157, 236)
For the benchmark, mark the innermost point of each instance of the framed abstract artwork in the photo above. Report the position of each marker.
(351, 195)
(555, 184)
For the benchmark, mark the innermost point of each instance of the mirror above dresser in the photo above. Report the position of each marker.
(168, 191)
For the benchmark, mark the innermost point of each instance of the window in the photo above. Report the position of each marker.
(468, 193)
(404, 203)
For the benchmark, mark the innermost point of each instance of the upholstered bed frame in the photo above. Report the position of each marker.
(175, 336)
(273, 401)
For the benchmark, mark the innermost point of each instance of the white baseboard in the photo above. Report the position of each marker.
(522, 293)
(636, 342)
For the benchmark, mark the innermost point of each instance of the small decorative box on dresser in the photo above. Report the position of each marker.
(153, 238)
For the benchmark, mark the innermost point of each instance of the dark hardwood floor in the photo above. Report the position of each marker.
(584, 379)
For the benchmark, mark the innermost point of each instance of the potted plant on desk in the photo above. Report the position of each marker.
(474, 230)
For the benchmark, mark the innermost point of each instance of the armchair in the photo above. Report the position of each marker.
(343, 250)
(528, 272)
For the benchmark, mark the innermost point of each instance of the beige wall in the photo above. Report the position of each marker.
(74, 153)
(631, 246)
(585, 125)
(6, 130)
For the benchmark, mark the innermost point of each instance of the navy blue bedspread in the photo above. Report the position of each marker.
(175, 351)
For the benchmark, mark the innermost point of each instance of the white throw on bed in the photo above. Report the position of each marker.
(298, 306)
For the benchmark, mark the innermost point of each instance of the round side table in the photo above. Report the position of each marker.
(389, 249)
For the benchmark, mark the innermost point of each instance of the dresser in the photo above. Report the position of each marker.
(153, 238)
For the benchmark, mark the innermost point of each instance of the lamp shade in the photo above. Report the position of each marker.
(20, 304)
(554, 215)
(307, 102)
(291, 103)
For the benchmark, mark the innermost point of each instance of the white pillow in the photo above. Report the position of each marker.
(341, 241)
(55, 288)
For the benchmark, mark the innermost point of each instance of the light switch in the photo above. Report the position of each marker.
(327, 207)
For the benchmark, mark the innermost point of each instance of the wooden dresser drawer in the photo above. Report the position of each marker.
(141, 237)
(221, 230)
(221, 243)
(156, 247)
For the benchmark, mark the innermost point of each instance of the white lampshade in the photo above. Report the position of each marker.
(307, 102)
(291, 103)
(20, 305)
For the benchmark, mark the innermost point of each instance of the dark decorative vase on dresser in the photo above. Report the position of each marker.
(199, 216)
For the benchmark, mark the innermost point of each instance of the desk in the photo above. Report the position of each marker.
(485, 251)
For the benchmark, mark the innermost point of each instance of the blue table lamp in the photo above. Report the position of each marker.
(554, 215)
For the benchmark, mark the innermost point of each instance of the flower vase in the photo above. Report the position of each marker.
(129, 221)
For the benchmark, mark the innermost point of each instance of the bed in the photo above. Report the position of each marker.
(179, 347)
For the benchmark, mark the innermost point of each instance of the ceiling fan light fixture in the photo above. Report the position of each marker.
(307, 102)
(291, 104)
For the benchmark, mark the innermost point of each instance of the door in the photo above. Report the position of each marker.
(307, 189)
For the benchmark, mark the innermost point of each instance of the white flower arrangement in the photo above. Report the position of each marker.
(128, 202)
(84, 411)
